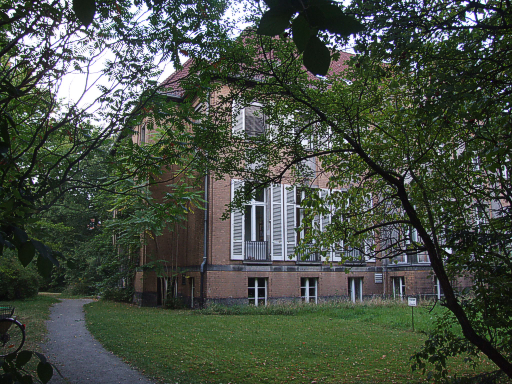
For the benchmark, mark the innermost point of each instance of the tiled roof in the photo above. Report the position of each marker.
(173, 84)
(174, 88)
(341, 64)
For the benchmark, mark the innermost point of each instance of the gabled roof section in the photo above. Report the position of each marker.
(172, 85)
(341, 64)
(174, 89)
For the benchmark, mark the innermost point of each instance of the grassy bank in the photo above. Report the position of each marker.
(325, 344)
(34, 313)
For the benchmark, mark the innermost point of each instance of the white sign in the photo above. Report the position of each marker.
(412, 301)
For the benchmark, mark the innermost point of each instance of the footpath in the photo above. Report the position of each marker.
(78, 356)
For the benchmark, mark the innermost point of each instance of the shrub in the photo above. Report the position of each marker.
(80, 287)
(124, 295)
(175, 303)
(16, 281)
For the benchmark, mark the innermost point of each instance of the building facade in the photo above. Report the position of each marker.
(250, 258)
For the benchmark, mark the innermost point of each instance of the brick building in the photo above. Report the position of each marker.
(250, 258)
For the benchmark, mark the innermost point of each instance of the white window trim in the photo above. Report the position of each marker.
(437, 288)
(353, 281)
(307, 280)
(277, 240)
(401, 284)
(237, 215)
(238, 126)
(256, 297)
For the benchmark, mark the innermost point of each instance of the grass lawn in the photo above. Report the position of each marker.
(324, 344)
(33, 313)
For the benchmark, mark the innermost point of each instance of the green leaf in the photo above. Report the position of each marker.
(4, 132)
(26, 253)
(41, 357)
(301, 32)
(272, 3)
(44, 371)
(23, 358)
(5, 242)
(20, 236)
(71, 264)
(317, 57)
(44, 266)
(275, 20)
(84, 10)
(27, 379)
(4, 147)
(315, 17)
(343, 25)
(44, 251)
(4, 16)
(328, 16)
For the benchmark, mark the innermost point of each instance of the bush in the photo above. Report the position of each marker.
(175, 303)
(81, 287)
(124, 295)
(16, 281)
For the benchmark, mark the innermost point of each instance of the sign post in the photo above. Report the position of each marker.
(412, 304)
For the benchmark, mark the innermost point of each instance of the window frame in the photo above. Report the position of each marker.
(355, 289)
(255, 300)
(239, 120)
(253, 204)
(401, 286)
(305, 289)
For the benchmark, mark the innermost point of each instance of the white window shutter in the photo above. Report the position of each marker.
(277, 225)
(237, 226)
(238, 120)
(369, 241)
(290, 234)
(325, 220)
(254, 121)
(338, 247)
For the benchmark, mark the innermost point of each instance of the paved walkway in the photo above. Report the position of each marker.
(78, 356)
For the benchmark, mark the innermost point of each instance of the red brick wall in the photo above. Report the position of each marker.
(183, 246)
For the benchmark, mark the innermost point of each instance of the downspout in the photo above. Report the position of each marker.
(206, 214)
(205, 239)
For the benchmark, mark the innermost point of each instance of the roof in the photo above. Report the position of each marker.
(174, 87)
(173, 84)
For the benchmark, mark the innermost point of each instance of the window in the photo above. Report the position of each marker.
(303, 135)
(438, 291)
(299, 213)
(309, 289)
(142, 134)
(307, 168)
(423, 257)
(255, 218)
(401, 259)
(257, 291)
(254, 228)
(249, 228)
(167, 287)
(254, 121)
(249, 120)
(355, 288)
(476, 163)
(398, 284)
(480, 215)
(192, 291)
(411, 236)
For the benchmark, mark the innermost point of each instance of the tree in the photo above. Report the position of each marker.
(417, 127)
(45, 143)
(49, 148)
